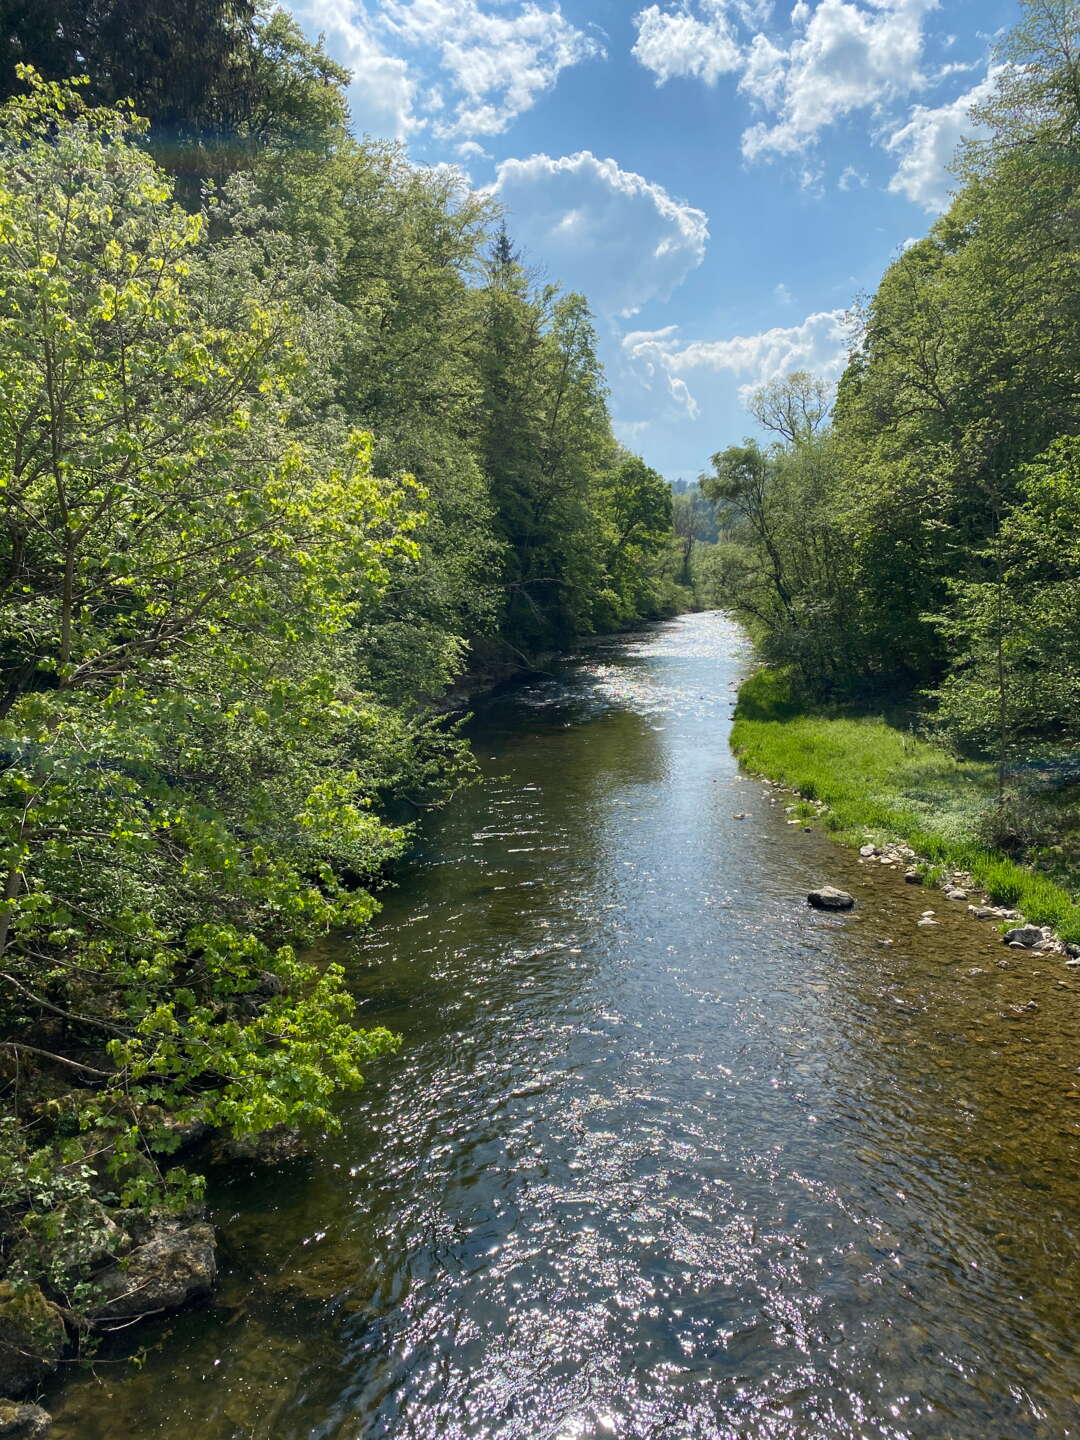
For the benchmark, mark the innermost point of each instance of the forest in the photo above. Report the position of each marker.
(291, 440)
(912, 544)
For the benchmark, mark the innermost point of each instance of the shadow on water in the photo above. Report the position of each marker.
(665, 1153)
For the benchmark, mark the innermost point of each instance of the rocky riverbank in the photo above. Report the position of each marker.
(956, 885)
(132, 1266)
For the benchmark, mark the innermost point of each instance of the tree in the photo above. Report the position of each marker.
(181, 575)
(1015, 632)
(794, 407)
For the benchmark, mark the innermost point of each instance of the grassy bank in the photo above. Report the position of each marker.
(881, 783)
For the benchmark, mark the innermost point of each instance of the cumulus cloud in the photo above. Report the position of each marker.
(677, 43)
(928, 142)
(833, 59)
(498, 61)
(847, 57)
(820, 344)
(609, 232)
(382, 94)
(463, 67)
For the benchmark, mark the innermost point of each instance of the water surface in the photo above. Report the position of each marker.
(665, 1155)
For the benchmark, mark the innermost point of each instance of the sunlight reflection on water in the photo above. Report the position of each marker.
(665, 1153)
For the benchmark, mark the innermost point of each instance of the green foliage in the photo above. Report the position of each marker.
(271, 475)
(183, 571)
(1033, 606)
(925, 548)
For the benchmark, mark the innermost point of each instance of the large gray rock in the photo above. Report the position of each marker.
(829, 898)
(279, 1146)
(173, 1267)
(32, 1338)
(23, 1422)
(1025, 935)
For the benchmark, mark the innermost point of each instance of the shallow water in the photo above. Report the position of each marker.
(665, 1153)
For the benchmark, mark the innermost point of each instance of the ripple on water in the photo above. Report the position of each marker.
(665, 1153)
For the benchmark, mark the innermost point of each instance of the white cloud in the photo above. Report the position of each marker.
(764, 73)
(498, 61)
(839, 57)
(848, 57)
(676, 43)
(852, 179)
(382, 94)
(606, 231)
(819, 344)
(782, 294)
(928, 142)
(467, 67)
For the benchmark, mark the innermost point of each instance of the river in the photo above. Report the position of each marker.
(665, 1155)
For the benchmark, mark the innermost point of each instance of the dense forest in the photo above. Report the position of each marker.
(920, 538)
(290, 441)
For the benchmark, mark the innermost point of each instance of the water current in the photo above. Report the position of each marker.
(665, 1155)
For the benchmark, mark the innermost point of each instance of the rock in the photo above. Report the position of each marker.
(983, 912)
(867, 850)
(32, 1338)
(927, 920)
(1073, 951)
(913, 877)
(272, 1147)
(23, 1422)
(166, 1133)
(1026, 936)
(174, 1266)
(829, 898)
(956, 894)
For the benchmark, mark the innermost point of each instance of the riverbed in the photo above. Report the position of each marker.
(665, 1155)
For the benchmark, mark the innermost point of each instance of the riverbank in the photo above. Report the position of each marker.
(870, 782)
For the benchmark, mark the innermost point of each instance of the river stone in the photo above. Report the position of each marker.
(174, 1266)
(23, 1422)
(32, 1338)
(278, 1146)
(983, 912)
(956, 894)
(829, 898)
(1026, 936)
(913, 877)
(867, 850)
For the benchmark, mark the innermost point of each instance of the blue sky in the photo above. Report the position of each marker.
(722, 178)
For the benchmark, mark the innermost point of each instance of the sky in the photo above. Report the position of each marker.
(721, 178)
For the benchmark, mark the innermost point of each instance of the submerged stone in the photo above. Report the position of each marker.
(172, 1268)
(23, 1422)
(32, 1338)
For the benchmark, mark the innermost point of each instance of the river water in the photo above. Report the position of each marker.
(666, 1155)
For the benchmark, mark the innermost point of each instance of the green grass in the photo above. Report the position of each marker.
(881, 783)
